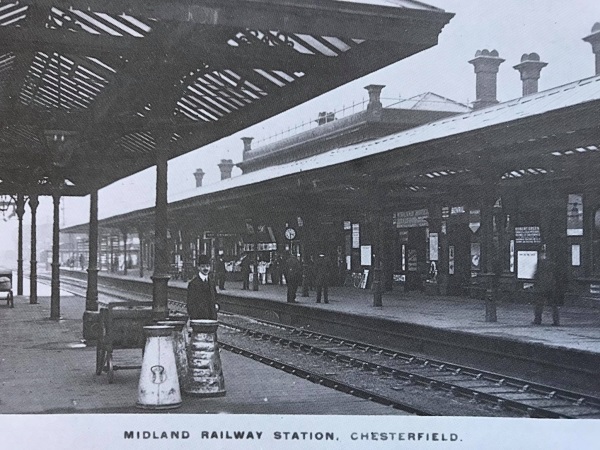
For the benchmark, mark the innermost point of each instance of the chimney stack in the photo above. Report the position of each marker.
(530, 68)
(199, 174)
(374, 91)
(247, 146)
(486, 64)
(226, 166)
(594, 39)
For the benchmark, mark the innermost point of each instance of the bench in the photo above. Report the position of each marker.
(6, 286)
(121, 326)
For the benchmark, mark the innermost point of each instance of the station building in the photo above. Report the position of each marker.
(426, 194)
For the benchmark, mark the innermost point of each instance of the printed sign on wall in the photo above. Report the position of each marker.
(451, 259)
(527, 235)
(575, 215)
(433, 246)
(526, 264)
(365, 255)
(355, 235)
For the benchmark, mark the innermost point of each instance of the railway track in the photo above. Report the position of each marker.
(402, 381)
(505, 396)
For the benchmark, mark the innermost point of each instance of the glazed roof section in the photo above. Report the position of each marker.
(90, 90)
(430, 101)
(393, 3)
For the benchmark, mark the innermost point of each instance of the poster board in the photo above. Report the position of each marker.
(433, 246)
(526, 264)
(365, 255)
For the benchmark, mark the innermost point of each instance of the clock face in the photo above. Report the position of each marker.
(290, 233)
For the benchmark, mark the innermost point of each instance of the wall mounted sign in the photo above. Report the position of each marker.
(526, 264)
(347, 225)
(451, 259)
(575, 255)
(575, 215)
(433, 246)
(474, 220)
(411, 219)
(475, 256)
(528, 235)
(412, 260)
(355, 235)
(365, 255)
(511, 260)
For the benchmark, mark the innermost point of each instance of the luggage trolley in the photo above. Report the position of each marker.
(121, 327)
(6, 286)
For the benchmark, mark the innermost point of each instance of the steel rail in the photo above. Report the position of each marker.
(449, 370)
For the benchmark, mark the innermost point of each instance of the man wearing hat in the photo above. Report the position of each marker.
(202, 293)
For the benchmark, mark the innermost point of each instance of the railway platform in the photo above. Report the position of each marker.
(46, 369)
(448, 328)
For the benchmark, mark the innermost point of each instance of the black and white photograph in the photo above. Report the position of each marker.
(316, 224)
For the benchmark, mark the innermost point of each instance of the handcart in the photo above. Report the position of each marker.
(121, 327)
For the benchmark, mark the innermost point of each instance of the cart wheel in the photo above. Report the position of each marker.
(100, 357)
(109, 367)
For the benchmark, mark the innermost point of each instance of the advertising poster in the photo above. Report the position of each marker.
(475, 256)
(366, 255)
(433, 246)
(526, 264)
(575, 215)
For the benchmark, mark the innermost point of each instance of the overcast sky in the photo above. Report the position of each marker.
(552, 28)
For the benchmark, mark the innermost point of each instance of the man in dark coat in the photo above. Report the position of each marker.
(245, 272)
(220, 271)
(549, 288)
(321, 269)
(293, 277)
(202, 293)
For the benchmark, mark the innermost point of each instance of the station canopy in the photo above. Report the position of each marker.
(91, 90)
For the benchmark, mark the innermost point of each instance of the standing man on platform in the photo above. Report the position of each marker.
(202, 293)
(245, 272)
(321, 269)
(545, 289)
(220, 271)
(293, 277)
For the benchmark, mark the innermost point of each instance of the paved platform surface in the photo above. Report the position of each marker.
(45, 368)
(579, 330)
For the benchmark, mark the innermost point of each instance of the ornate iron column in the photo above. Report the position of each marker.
(489, 255)
(55, 288)
(90, 315)
(33, 204)
(378, 196)
(20, 210)
(160, 277)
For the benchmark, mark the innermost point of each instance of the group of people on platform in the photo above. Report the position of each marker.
(550, 283)
(202, 289)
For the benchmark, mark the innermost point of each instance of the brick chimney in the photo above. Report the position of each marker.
(226, 166)
(486, 64)
(199, 174)
(247, 146)
(530, 68)
(594, 39)
(374, 91)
